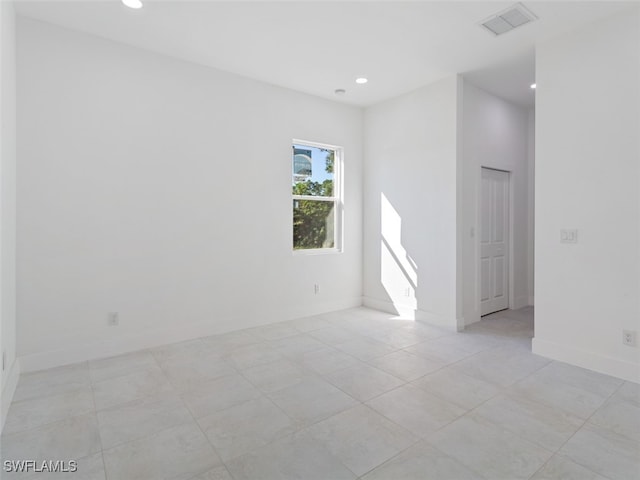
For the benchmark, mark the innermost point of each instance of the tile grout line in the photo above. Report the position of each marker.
(557, 452)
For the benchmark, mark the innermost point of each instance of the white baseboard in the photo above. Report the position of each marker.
(81, 350)
(411, 313)
(589, 360)
(7, 392)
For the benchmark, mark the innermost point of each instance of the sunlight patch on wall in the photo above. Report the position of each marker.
(398, 271)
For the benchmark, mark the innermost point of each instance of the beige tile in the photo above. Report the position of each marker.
(111, 367)
(327, 360)
(333, 335)
(245, 427)
(361, 438)
(310, 324)
(454, 386)
(619, 415)
(275, 376)
(87, 468)
(227, 342)
(422, 462)
(561, 468)
(396, 337)
(297, 346)
(501, 366)
(186, 372)
(629, 392)
(489, 450)
(216, 473)
(294, 457)
(177, 453)
(53, 381)
(311, 400)
(141, 418)
(218, 394)
(365, 348)
(545, 426)
(126, 388)
(415, 409)
(180, 350)
(363, 381)
(248, 356)
(68, 439)
(605, 452)
(274, 332)
(437, 350)
(38, 411)
(572, 389)
(405, 365)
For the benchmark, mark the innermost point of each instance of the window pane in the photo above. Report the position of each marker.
(313, 171)
(313, 224)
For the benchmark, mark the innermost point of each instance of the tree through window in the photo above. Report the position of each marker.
(315, 196)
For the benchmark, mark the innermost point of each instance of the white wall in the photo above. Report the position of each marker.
(410, 196)
(161, 190)
(10, 373)
(588, 178)
(494, 135)
(531, 159)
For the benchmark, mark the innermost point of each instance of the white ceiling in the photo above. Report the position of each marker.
(319, 46)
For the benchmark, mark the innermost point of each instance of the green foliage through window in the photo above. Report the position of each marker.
(313, 176)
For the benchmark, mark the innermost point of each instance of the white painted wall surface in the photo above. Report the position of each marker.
(531, 169)
(494, 135)
(10, 374)
(588, 178)
(161, 190)
(410, 197)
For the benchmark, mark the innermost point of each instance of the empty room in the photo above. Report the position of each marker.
(320, 240)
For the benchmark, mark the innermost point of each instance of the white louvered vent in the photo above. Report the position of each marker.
(508, 19)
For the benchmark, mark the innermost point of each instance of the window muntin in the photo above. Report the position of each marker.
(316, 197)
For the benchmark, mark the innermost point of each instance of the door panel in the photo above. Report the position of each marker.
(494, 241)
(485, 279)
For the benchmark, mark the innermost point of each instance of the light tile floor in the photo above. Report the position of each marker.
(346, 395)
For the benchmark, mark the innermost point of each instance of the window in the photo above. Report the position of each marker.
(316, 197)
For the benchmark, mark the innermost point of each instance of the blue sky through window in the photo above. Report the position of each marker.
(318, 163)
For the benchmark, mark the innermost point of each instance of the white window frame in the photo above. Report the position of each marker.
(337, 199)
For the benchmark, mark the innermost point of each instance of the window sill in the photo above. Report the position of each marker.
(316, 251)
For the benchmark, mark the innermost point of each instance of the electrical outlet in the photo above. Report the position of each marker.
(629, 337)
(569, 236)
(407, 292)
(113, 319)
(316, 289)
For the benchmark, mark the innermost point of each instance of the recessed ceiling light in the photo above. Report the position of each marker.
(340, 91)
(361, 80)
(133, 3)
(533, 86)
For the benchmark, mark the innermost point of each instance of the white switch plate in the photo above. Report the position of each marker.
(568, 236)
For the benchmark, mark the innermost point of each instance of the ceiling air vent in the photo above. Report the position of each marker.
(507, 20)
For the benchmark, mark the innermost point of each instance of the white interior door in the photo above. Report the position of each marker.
(494, 241)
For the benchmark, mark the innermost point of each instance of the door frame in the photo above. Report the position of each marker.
(510, 206)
